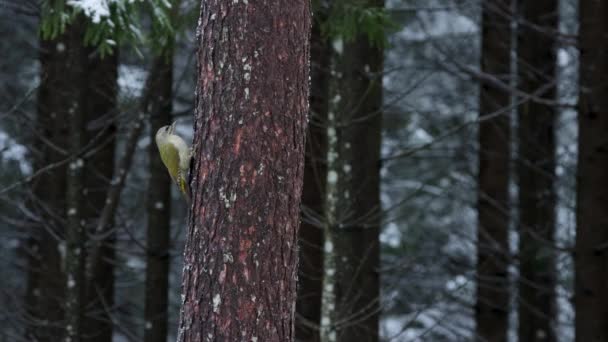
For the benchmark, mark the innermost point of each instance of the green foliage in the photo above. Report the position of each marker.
(54, 19)
(119, 22)
(103, 30)
(164, 15)
(349, 19)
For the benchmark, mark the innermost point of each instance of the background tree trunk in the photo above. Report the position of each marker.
(76, 112)
(536, 170)
(160, 88)
(75, 234)
(46, 273)
(101, 132)
(241, 257)
(55, 288)
(310, 277)
(591, 297)
(492, 306)
(351, 304)
(356, 239)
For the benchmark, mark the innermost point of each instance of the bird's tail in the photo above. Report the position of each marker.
(185, 189)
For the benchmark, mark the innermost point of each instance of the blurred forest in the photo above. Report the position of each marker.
(455, 184)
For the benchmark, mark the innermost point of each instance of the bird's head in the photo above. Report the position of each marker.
(165, 131)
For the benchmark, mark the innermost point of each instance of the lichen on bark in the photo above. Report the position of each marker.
(240, 264)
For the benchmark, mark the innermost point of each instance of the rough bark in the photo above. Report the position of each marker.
(591, 259)
(492, 306)
(101, 129)
(353, 197)
(536, 165)
(240, 264)
(310, 272)
(160, 84)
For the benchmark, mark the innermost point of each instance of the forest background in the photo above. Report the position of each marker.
(453, 169)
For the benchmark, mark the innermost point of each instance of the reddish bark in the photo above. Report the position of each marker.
(240, 264)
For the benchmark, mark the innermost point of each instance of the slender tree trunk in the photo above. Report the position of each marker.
(76, 103)
(591, 261)
(75, 235)
(241, 258)
(310, 278)
(350, 309)
(536, 165)
(492, 306)
(101, 132)
(77, 100)
(56, 280)
(158, 103)
(45, 286)
(328, 327)
(160, 88)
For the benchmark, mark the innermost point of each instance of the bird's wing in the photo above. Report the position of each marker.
(184, 151)
(169, 154)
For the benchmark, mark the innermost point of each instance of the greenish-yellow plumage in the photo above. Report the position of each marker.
(175, 154)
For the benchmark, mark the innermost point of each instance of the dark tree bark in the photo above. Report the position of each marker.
(160, 88)
(591, 259)
(101, 129)
(75, 234)
(60, 102)
(46, 278)
(77, 100)
(310, 272)
(492, 306)
(536, 165)
(241, 258)
(357, 238)
(353, 208)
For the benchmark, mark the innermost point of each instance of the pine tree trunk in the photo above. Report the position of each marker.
(356, 241)
(350, 309)
(492, 306)
(101, 132)
(160, 88)
(241, 258)
(77, 100)
(536, 170)
(75, 234)
(55, 285)
(591, 297)
(310, 278)
(45, 286)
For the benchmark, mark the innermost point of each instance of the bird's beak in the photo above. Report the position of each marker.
(172, 130)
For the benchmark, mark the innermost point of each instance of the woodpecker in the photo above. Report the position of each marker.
(175, 154)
